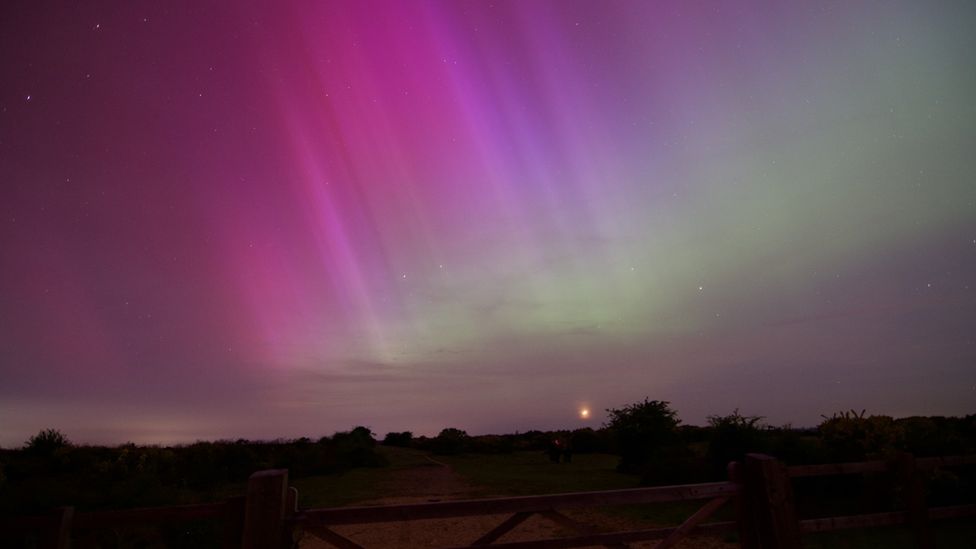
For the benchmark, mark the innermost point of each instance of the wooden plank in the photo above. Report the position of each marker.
(120, 517)
(945, 461)
(332, 537)
(16, 523)
(952, 512)
(828, 469)
(771, 496)
(505, 527)
(264, 509)
(611, 538)
(870, 520)
(689, 524)
(875, 466)
(148, 515)
(497, 506)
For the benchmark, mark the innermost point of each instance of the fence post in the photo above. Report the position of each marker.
(265, 509)
(913, 492)
(769, 498)
(744, 518)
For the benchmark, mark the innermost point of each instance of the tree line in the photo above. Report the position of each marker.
(648, 437)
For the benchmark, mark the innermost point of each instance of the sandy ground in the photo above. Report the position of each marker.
(439, 482)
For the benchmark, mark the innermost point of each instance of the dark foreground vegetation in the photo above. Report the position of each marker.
(650, 446)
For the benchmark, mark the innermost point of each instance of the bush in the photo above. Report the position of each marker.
(357, 448)
(732, 436)
(401, 440)
(46, 442)
(450, 441)
(587, 441)
(931, 436)
(641, 432)
(673, 464)
(490, 444)
(849, 436)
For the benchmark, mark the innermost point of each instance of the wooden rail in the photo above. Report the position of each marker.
(319, 522)
(66, 521)
(874, 466)
(760, 487)
(522, 504)
(907, 468)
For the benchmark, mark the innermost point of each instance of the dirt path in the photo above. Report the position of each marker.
(432, 481)
(437, 481)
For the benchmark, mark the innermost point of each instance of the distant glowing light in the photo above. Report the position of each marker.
(584, 413)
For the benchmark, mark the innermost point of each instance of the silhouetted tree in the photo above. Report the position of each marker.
(731, 437)
(450, 441)
(401, 440)
(586, 440)
(357, 448)
(641, 432)
(46, 442)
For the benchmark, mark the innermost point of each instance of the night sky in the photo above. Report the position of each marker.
(261, 220)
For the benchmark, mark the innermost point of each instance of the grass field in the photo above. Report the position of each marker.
(360, 485)
(520, 473)
(525, 473)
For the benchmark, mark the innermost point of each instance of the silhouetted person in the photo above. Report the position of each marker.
(554, 450)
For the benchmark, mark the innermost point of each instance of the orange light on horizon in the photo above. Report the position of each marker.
(584, 413)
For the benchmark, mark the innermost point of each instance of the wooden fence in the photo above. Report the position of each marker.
(760, 489)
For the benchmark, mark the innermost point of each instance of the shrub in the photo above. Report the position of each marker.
(490, 444)
(641, 432)
(931, 436)
(732, 436)
(401, 440)
(357, 448)
(586, 440)
(450, 441)
(849, 436)
(46, 442)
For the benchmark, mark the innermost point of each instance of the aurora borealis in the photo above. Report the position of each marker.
(268, 220)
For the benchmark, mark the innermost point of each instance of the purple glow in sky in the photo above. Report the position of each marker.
(284, 219)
